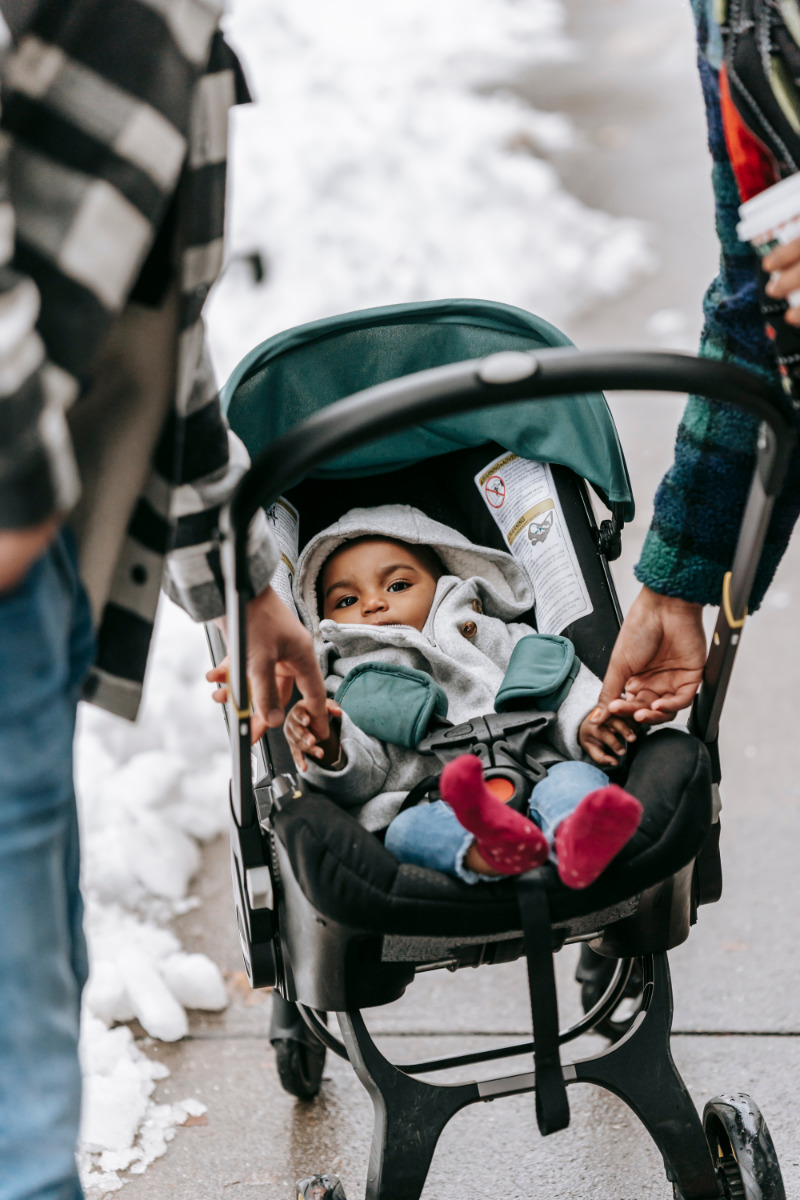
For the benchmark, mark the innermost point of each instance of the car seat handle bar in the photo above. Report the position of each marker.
(509, 376)
(501, 378)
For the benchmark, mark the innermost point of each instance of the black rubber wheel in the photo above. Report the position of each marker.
(742, 1149)
(300, 1066)
(299, 1055)
(594, 973)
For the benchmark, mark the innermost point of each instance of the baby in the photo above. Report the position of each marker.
(431, 601)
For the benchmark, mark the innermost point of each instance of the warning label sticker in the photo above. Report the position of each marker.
(522, 498)
(284, 521)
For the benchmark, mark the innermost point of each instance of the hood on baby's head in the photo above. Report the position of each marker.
(505, 587)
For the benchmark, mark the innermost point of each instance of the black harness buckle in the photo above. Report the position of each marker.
(498, 739)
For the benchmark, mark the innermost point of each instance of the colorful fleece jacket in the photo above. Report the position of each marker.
(699, 503)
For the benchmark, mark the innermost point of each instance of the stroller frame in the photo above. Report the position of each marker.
(410, 1115)
(703, 1158)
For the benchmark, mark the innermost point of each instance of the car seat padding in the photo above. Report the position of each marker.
(540, 673)
(350, 877)
(392, 702)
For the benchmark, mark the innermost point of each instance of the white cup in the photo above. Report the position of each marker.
(772, 218)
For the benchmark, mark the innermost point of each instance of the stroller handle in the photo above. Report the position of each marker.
(499, 379)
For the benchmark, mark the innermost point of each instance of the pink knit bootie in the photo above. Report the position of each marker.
(507, 841)
(590, 837)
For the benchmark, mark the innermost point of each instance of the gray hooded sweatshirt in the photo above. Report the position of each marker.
(465, 646)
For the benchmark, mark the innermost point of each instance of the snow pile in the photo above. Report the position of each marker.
(149, 794)
(122, 1128)
(382, 164)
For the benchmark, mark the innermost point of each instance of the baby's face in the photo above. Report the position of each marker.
(377, 582)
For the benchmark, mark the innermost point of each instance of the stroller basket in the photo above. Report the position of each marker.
(326, 915)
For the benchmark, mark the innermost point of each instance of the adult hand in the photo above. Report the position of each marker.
(783, 265)
(20, 548)
(657, 661)
(280, 653)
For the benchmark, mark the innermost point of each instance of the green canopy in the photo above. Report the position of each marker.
(292, 375)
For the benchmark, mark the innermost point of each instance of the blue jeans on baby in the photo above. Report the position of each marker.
(46, 647)
(430, 835)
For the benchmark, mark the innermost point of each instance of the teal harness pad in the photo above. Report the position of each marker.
(540, 673)
(392, 703)
(396, 704)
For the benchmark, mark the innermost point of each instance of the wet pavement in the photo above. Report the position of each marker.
(636, 101)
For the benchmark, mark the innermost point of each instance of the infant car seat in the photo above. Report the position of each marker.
(325, 914)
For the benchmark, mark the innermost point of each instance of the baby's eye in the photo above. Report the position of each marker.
(345, 602)
(399, 585)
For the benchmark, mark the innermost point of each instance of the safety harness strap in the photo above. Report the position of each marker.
(552, 1106)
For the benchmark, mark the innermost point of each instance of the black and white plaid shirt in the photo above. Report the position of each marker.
(113, 153)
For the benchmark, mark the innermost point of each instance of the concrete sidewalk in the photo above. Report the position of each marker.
(636, 99)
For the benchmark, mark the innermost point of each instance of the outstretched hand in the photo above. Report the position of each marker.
(280, 654)
(657, 663)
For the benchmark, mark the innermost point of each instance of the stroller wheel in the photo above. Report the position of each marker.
(742, 1148)
(594, 973)
(300, 1067)
(299, 1056)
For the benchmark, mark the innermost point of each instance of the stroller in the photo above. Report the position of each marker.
(326, 916)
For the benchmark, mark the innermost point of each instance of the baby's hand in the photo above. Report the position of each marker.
(302, 741)
(783, 264)
(611, 734)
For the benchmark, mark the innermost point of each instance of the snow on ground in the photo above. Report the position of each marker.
(150, 794)
(382, 164)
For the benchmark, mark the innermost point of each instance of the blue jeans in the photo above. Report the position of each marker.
(46, 647)
(430, 835)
